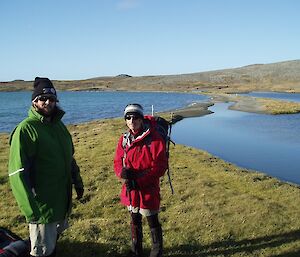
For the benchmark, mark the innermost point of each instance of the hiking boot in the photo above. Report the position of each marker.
(157, 242)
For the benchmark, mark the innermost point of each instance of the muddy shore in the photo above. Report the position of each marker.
(239, 103)
(195, 110)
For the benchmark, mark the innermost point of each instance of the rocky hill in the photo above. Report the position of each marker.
(281, 76)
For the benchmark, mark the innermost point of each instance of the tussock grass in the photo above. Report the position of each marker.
(218, 209)
(279, 107)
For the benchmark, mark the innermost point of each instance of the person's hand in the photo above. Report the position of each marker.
(130, 185)
(127, 173)
(79, 192)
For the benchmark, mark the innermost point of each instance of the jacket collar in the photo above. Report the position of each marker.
(144, 133)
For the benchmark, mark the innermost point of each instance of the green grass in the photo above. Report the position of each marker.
(279, 107)
(218, 209)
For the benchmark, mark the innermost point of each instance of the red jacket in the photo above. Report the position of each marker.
(146, 157)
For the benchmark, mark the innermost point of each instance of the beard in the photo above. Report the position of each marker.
(46, 111)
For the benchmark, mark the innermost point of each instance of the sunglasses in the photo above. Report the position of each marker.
(45, 98)
(133, 117)
(49, 90)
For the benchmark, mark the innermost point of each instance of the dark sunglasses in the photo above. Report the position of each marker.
(49, 90)
(133, 117)
(45, 98)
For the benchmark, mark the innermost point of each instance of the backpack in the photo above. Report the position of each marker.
(164, 128)
(12, 245)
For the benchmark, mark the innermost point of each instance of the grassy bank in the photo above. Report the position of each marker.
(218, 209)
(256, 104)
(279, 107)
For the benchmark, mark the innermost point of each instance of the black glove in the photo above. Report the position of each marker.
(127, 173)
(131, 185)
(79, 192)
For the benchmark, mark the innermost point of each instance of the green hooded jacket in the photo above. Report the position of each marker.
(41, 168)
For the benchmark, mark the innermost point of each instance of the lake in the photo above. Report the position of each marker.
(291, 97)
(87, 106)
(267, 143)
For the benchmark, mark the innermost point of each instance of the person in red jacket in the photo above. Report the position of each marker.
(140, 160)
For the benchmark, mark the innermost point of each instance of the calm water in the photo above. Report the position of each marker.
(86, 106)
(280, 96)
(261, 142)
(267, 143)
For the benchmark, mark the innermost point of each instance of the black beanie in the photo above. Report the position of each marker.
(42, 86)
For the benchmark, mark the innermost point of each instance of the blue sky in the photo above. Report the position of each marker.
(80, 39)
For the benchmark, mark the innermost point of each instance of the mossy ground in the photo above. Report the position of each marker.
(279, 107)
(218, 209)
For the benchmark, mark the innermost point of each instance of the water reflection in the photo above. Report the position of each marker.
(261, 142)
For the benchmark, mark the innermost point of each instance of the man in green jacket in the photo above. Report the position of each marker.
(42, 169)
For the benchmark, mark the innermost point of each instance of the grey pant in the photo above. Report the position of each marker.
(43, 237)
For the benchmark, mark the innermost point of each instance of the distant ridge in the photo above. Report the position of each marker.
(280, 76)
(123, 76)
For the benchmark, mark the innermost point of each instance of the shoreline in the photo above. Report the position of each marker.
(239, 103)
(194, 110)
(245, 104)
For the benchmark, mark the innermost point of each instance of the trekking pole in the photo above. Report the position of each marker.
(168, 148)
(170, 182)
